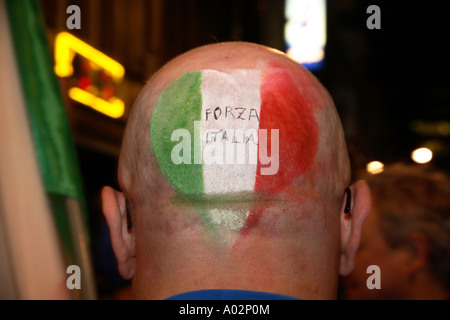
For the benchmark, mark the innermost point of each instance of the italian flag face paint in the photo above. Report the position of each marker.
(242, 131)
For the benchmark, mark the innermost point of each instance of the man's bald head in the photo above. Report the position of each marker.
(235, 167)
(312, 148)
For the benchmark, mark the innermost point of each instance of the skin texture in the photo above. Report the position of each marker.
(296, 239)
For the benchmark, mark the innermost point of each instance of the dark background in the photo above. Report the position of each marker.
(391, 86)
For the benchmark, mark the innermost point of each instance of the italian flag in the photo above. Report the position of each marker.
(231, 132)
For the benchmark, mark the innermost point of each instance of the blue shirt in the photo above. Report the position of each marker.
(228, 294)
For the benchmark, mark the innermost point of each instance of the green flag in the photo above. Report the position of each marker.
(52, 136)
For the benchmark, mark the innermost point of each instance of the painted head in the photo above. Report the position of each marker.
(233, 169)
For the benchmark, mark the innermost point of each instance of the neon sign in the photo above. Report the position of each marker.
(97, 75)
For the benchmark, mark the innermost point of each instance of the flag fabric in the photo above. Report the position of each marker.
(51, 226)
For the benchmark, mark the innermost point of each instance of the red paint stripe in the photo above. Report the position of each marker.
(283, 107)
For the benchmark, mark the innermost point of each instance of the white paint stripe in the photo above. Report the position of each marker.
(229, 218)
(231, 103)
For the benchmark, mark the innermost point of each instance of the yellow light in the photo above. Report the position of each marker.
(66, 45)
(375, 167)
(114, 108)
(422, 155)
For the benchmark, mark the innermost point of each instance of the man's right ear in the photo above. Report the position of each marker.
(122, 238)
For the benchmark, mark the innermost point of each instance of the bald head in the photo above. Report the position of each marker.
(225, 97)
(235, 167)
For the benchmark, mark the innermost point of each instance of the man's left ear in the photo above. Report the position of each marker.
(122, 238)
(352, 223)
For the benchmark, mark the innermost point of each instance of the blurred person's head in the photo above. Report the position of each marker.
(234, 171)
(407, 235)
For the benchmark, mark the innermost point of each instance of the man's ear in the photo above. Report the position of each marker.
(122, 238)
(352, 223)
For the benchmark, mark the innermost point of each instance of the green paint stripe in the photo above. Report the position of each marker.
(178, 107)
(208, 222)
